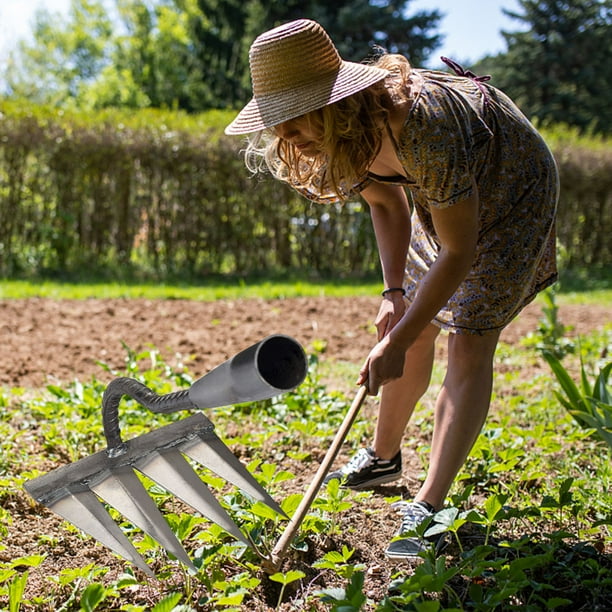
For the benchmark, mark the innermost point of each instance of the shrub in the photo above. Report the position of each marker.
(166, 192)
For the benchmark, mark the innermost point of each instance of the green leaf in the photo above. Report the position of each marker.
(556, 602)
(288, 578)
(447, 516)
(16, 589)
(564, 379)
(263, 511)
(584, 381)
(167, 604)
(291, 502)
(5, 574)
(600, 388)
(93, 595)
(231, 599)
(28, 561)
(494, 505)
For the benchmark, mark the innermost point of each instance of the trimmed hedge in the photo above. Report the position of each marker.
(167, 193)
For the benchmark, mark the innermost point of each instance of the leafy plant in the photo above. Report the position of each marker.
(285, 579)
(347, 599)
(15, 591)
(551, 331)
(338, 561)
(530, 514)
(589, 403)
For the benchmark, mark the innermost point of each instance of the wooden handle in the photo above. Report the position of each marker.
(272, 564)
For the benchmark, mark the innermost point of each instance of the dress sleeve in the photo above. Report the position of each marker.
(437, 146)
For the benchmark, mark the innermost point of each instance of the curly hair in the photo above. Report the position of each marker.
(352, 132)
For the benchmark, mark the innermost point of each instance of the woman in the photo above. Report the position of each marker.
(462, 192)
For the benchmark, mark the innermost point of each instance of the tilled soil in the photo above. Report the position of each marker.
(53, 342)
(48, 341)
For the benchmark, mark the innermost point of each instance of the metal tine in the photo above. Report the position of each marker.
(213, 454)
(84, 510)
(172, 471)
(123, 490)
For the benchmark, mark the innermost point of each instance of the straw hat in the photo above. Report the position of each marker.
(295, 69)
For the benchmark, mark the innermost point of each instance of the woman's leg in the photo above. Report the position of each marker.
(461, 409)
(399, 397)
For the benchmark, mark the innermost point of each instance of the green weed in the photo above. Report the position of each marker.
(589, 403)
(551, 333)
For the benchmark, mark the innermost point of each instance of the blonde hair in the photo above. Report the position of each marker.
(352, 132)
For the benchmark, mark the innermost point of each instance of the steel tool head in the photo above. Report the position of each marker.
(76, 491)
(273, 366)
(83, 509)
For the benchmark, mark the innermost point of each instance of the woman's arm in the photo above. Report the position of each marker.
(390, 214)
(457, 231)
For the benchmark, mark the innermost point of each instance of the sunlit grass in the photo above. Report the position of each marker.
(231, 289)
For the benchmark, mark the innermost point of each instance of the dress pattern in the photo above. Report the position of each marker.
(457, 128)
(460, 127)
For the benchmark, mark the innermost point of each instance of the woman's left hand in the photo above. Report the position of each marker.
(384, 363)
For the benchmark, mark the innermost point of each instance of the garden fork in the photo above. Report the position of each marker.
(275, 365)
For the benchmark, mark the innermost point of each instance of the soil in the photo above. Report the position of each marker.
(47, 341)
(53, 342)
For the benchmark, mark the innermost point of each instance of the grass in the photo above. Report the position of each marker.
(575, 288)
(231, 289)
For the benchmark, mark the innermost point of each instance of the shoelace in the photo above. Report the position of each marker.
(357, 462)
(413, 515)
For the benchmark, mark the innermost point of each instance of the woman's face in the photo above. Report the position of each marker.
(302, 133)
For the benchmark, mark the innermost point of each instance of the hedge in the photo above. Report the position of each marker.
(168, 193)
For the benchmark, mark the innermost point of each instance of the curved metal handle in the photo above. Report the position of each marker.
(117, 388)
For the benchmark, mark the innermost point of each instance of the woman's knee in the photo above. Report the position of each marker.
(471, 350)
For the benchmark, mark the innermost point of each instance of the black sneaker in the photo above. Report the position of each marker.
(413, 514)
(366, 470)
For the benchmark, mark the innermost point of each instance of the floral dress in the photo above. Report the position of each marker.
(457, 128)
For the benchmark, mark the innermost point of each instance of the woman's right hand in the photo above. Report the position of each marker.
(391, 310)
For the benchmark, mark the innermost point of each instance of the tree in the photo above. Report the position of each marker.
(192, 54)
(358, 25)
(65, 55)
(222, 40)
(559, 68)
(155, 51)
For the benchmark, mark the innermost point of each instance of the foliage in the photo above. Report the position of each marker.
(64, 59)
(188, 54)
(585, 200)
(356, 26)
(590, 404)
(557, 65)
(78, 193)
(165, 194)
(529, 515)
(551, 332)
(193, 54)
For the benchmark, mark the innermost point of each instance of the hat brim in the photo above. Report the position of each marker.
(275, 108)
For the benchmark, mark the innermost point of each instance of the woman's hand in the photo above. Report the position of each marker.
(391, 310)
(384, 363)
